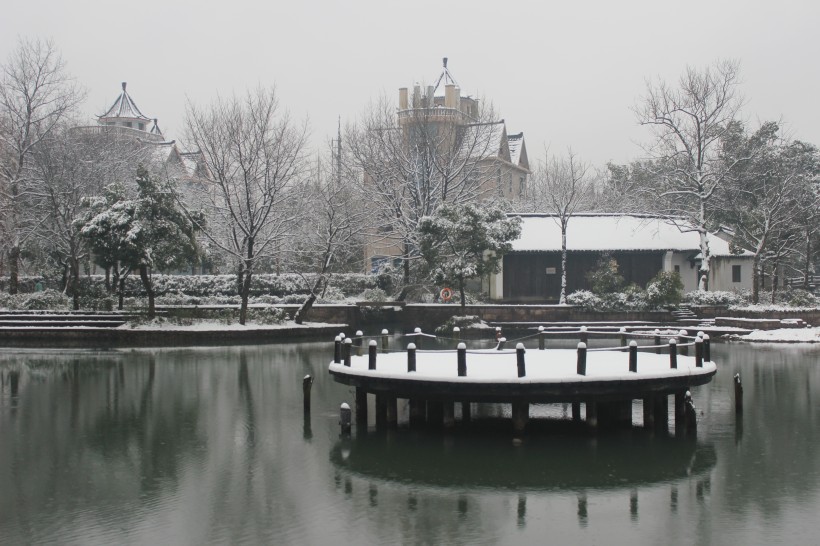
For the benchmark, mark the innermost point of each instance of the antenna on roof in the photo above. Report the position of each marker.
(445, 62)
(123, 85)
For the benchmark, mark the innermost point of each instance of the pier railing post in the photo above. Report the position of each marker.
(462, 359)
(622, 335)
(673, 353)
(684, 350)
(519, 356)
(337, 350)
(501, 342)
(707, 348)
(699, 352)
(417, 337)
(633, 356)
(541, 338)
(457, 332)
(345, 418)
(346, 351)
(384, 340)
(584, 335)
(582, 358)
(411, 357)
(359, 337)
(371, 355)
(657, 341)
(738, 394)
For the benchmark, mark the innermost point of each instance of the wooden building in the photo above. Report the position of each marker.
(642, 245)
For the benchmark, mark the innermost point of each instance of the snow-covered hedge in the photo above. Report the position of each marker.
(631, 299)
(714, 297)
(47, 299)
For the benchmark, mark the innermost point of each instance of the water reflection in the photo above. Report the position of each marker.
(619, 460)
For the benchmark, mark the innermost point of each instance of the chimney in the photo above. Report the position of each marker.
(416, 96)
(431, 91)
(450, 97)
(402, 98)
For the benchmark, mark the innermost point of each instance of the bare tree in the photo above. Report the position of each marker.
(689, 123)
(562, 186)
(413, 162)
(329, 237)
(255, 155)
(35, 95)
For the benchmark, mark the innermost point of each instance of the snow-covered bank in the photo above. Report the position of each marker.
(222, 326)
(783, 335)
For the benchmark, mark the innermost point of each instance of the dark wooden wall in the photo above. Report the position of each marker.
(526, 278)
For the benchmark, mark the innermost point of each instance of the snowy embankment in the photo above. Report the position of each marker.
(222, 326)
(782, 335)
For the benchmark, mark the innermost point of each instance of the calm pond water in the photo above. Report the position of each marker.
(210, 445)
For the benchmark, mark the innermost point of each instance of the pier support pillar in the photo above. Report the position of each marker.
(381, 411)
(361, 406)
(576, 412)
(417, 412)
(435, 413)
(680, 417)
(448, 414)
(392, 411)
(592, 414)
(615, 414)
(661, 411)
(466, 412)
(520, 416)
(648, 412)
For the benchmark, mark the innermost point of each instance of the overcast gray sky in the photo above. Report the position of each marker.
(566, 73)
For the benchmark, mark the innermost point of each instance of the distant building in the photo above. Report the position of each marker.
(642, 245)
(438, 115)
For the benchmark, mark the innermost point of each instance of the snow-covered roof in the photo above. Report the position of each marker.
(124, 107)
(610, 232)
(515, 142)
(483, 140)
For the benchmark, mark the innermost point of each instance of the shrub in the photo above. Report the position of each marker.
(374, 294)
(585, 299)
(797, 297)
(464, 322)
(47, 299)
(632, 298)
(715, 297)
(605, 278)
(267, 315)
(666, 288)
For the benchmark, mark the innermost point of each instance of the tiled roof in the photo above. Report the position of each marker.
(124, 107)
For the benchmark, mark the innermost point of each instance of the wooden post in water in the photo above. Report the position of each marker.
(673, 353)
(381, 410)
(462, 359)
(576, 412)
(384, 340)
(633, 356)
(392, 411)
(466, 412)
(456, 332)
(648, 414)
(361, 406)
(581, 367)
(541, 339)
(680, 416)
(699, 352)
(346, 351)
(411, 357)
(448, 416)
(307, 383)
(707, 348)
(417, 411)
(592, 413)
(657, 341)
(345, 418)
(738, 395)
(661, 411)
(358, 342)
(690, 417)
(520, 416)
(519, 356)
(337, 350)
(371, 354)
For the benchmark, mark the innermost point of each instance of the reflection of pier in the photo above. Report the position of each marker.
(604, 380)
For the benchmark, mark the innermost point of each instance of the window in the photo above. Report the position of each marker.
(677, 269)
(735, 273)
(142, 126)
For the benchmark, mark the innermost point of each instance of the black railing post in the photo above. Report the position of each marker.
(582, 359)
(519, 356)
(633, 356)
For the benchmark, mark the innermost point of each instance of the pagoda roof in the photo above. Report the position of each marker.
(124, 107)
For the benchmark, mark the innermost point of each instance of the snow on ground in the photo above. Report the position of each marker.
(783, 335)
(553, 366)
(221, 326)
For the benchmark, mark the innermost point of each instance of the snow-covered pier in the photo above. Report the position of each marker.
(605, 380)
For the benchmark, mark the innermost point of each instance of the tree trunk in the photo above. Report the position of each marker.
(14, 269)
(149, 289)
(74, 281)
(244, 294)
(562, 299)
(303, 311)
(461, 292)
(756, 279)
(108, 279)
(121, 293)
(775, 280)
(807, 270)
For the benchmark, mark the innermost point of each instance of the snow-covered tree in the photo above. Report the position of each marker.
(462, 242)
(689, 123)
(562, 186)
(145, 233)
(36, 94)
(412, 164)
(255, 156)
